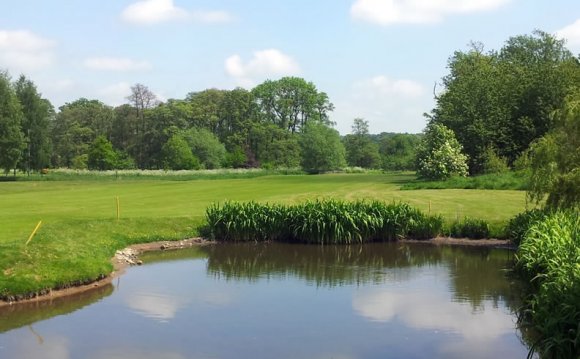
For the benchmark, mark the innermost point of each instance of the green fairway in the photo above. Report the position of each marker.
(80, 228)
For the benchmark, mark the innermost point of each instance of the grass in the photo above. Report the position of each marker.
(79, 232)
(326, 221)
(549, 257)
(502, 181)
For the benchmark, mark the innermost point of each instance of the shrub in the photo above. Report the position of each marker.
(321, 221)
(549, 257)
(470, 228)
(518, 226)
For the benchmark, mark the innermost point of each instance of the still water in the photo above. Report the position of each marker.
(391, 300)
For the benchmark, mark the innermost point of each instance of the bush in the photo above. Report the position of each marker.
(323, 222)
(519, 225)
(470, 228)
(549, 257)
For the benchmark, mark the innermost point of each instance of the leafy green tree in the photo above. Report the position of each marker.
(493, 163)
(321, 148)
(504, 98)
(291, 103)
(76, 126)
(206, 147)
(38, 113)
(274, 147)
(361, 150)
(555, 160)
(205, 109)
(101, 155)
(176, 154)
(398, 150)
(439, 154)
(11, 137)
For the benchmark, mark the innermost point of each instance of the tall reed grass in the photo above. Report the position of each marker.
(321, 221)
(549, 257)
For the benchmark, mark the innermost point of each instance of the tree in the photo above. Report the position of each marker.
(398, 150)
(206, 147)
(555, 160)
(76, 126)
(321, 148)
(439, 154)
(101, 155)
(11, 137)
(504, 99)
(361, 150)
(176, 154)
(141, 98)
(37, 115)
(291, 103)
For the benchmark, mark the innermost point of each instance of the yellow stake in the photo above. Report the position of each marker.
(118, 208)
(33, 232)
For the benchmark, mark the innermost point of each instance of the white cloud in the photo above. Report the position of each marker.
(22, 50)
(156, 306)
(481, 333)
(116, 64)
(149, 12)
(388, 12)
(572, 35)
(264, 64)
(381, 86)
(115, 94)
(389, 105)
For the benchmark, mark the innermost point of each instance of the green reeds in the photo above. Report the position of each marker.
(321, 221)
(549, 257)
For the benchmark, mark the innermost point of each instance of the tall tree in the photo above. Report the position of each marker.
(141, 98)
(101, 155)
(76, 126)
(11, 137)
(38, 114)
(321, 148)
(361, 150)
(397, 150)
(291, 103)
(503, 99)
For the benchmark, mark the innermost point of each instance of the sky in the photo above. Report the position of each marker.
(379, 60)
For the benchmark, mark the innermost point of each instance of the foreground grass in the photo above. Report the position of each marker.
(80, 233)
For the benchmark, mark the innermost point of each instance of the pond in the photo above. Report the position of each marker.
(384, 300)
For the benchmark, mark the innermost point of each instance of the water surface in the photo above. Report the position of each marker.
(390, 300)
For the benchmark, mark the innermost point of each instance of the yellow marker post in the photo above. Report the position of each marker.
(118, 207)
(33, 232)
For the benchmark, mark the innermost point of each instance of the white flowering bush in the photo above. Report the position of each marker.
(439, 155)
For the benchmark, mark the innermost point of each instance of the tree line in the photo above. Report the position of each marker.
(516, 108)
(282, 123)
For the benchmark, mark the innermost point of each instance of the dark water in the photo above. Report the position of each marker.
(284, 301)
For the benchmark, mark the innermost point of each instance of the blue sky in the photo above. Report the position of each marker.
(376, 59)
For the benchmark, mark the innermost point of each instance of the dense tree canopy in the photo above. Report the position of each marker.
(11, 136)
(555, 159)
(361, 150)
(504, 99)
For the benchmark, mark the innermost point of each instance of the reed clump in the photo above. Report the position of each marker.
(321, 221)
(549, 257)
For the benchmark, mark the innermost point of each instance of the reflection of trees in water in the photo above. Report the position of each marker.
(476, 273)
(20, 314)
